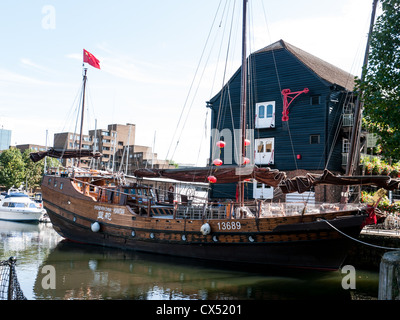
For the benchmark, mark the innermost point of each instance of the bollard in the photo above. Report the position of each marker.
(389, 276)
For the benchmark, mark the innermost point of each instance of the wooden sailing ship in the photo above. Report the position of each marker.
(103, 209)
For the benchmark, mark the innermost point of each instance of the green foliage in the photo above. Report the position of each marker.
(384, 205)
(17, 168)
(33, 170)
(377, 166)
(381, 87)
(12, 168)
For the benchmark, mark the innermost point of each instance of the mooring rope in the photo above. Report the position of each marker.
(368, 244)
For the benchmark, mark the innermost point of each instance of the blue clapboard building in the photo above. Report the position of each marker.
(299, 115)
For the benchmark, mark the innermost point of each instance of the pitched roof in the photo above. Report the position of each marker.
(323, 69)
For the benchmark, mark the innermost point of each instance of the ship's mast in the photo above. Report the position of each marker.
(350, 168)
(83, 112)
(354, 151)
(243, 96)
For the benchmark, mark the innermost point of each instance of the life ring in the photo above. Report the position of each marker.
(171, 189)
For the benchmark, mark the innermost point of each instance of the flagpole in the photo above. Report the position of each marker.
(83, 111)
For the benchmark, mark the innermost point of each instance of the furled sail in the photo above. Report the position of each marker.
(271, 177)
(225, 174)
(304, 183)
(54, 153)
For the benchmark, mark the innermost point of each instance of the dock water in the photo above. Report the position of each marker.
(92, 272)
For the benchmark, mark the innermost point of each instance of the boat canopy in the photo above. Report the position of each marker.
(16, 195)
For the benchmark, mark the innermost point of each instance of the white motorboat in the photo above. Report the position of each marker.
(18, 206)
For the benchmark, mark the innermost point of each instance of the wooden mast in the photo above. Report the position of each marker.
(83, 112)
(350, 168)
(243, 102)
(354, 151)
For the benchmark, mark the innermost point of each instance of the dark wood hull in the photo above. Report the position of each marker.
(306, 242)
(327, 254)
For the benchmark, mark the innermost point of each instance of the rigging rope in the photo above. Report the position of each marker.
(359, 241)
(190, 89)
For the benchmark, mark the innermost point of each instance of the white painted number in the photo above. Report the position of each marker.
(229, 225)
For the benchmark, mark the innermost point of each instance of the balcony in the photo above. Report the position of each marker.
(345, 156)
(348, 120)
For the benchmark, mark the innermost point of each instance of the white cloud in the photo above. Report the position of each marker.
(8, 77)
(31, 65)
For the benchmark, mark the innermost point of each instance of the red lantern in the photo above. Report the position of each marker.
(246, 160)
(221, 144)
(217, 162)
(212, 179)
(246, 142)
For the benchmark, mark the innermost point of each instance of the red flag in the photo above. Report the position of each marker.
(91, 59)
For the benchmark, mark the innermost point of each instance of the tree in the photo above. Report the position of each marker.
(17, 169)
(12, 168)
(34, 170)
(381, 87)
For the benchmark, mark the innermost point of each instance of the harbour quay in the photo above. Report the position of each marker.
(373, 243)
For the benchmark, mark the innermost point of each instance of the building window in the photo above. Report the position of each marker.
(346, 146)
(265, 114)
(315, 139)
(315, 100)
(261, 111)
(264, 153)
(262, 191)
(270, 111)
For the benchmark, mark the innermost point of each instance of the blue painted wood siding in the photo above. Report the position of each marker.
(292, 138)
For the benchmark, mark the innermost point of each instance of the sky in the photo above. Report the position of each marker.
(160, 60)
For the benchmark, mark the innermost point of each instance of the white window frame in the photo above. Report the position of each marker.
(261, 154)
(265, 115)
(262, 191)
(346, 145)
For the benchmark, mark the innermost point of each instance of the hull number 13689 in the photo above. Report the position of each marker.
(229, 225)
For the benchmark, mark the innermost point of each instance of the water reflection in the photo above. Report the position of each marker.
(30, 243)
(91, 272)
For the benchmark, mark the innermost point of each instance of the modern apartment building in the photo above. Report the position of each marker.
(116, 144)
(5, 139)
